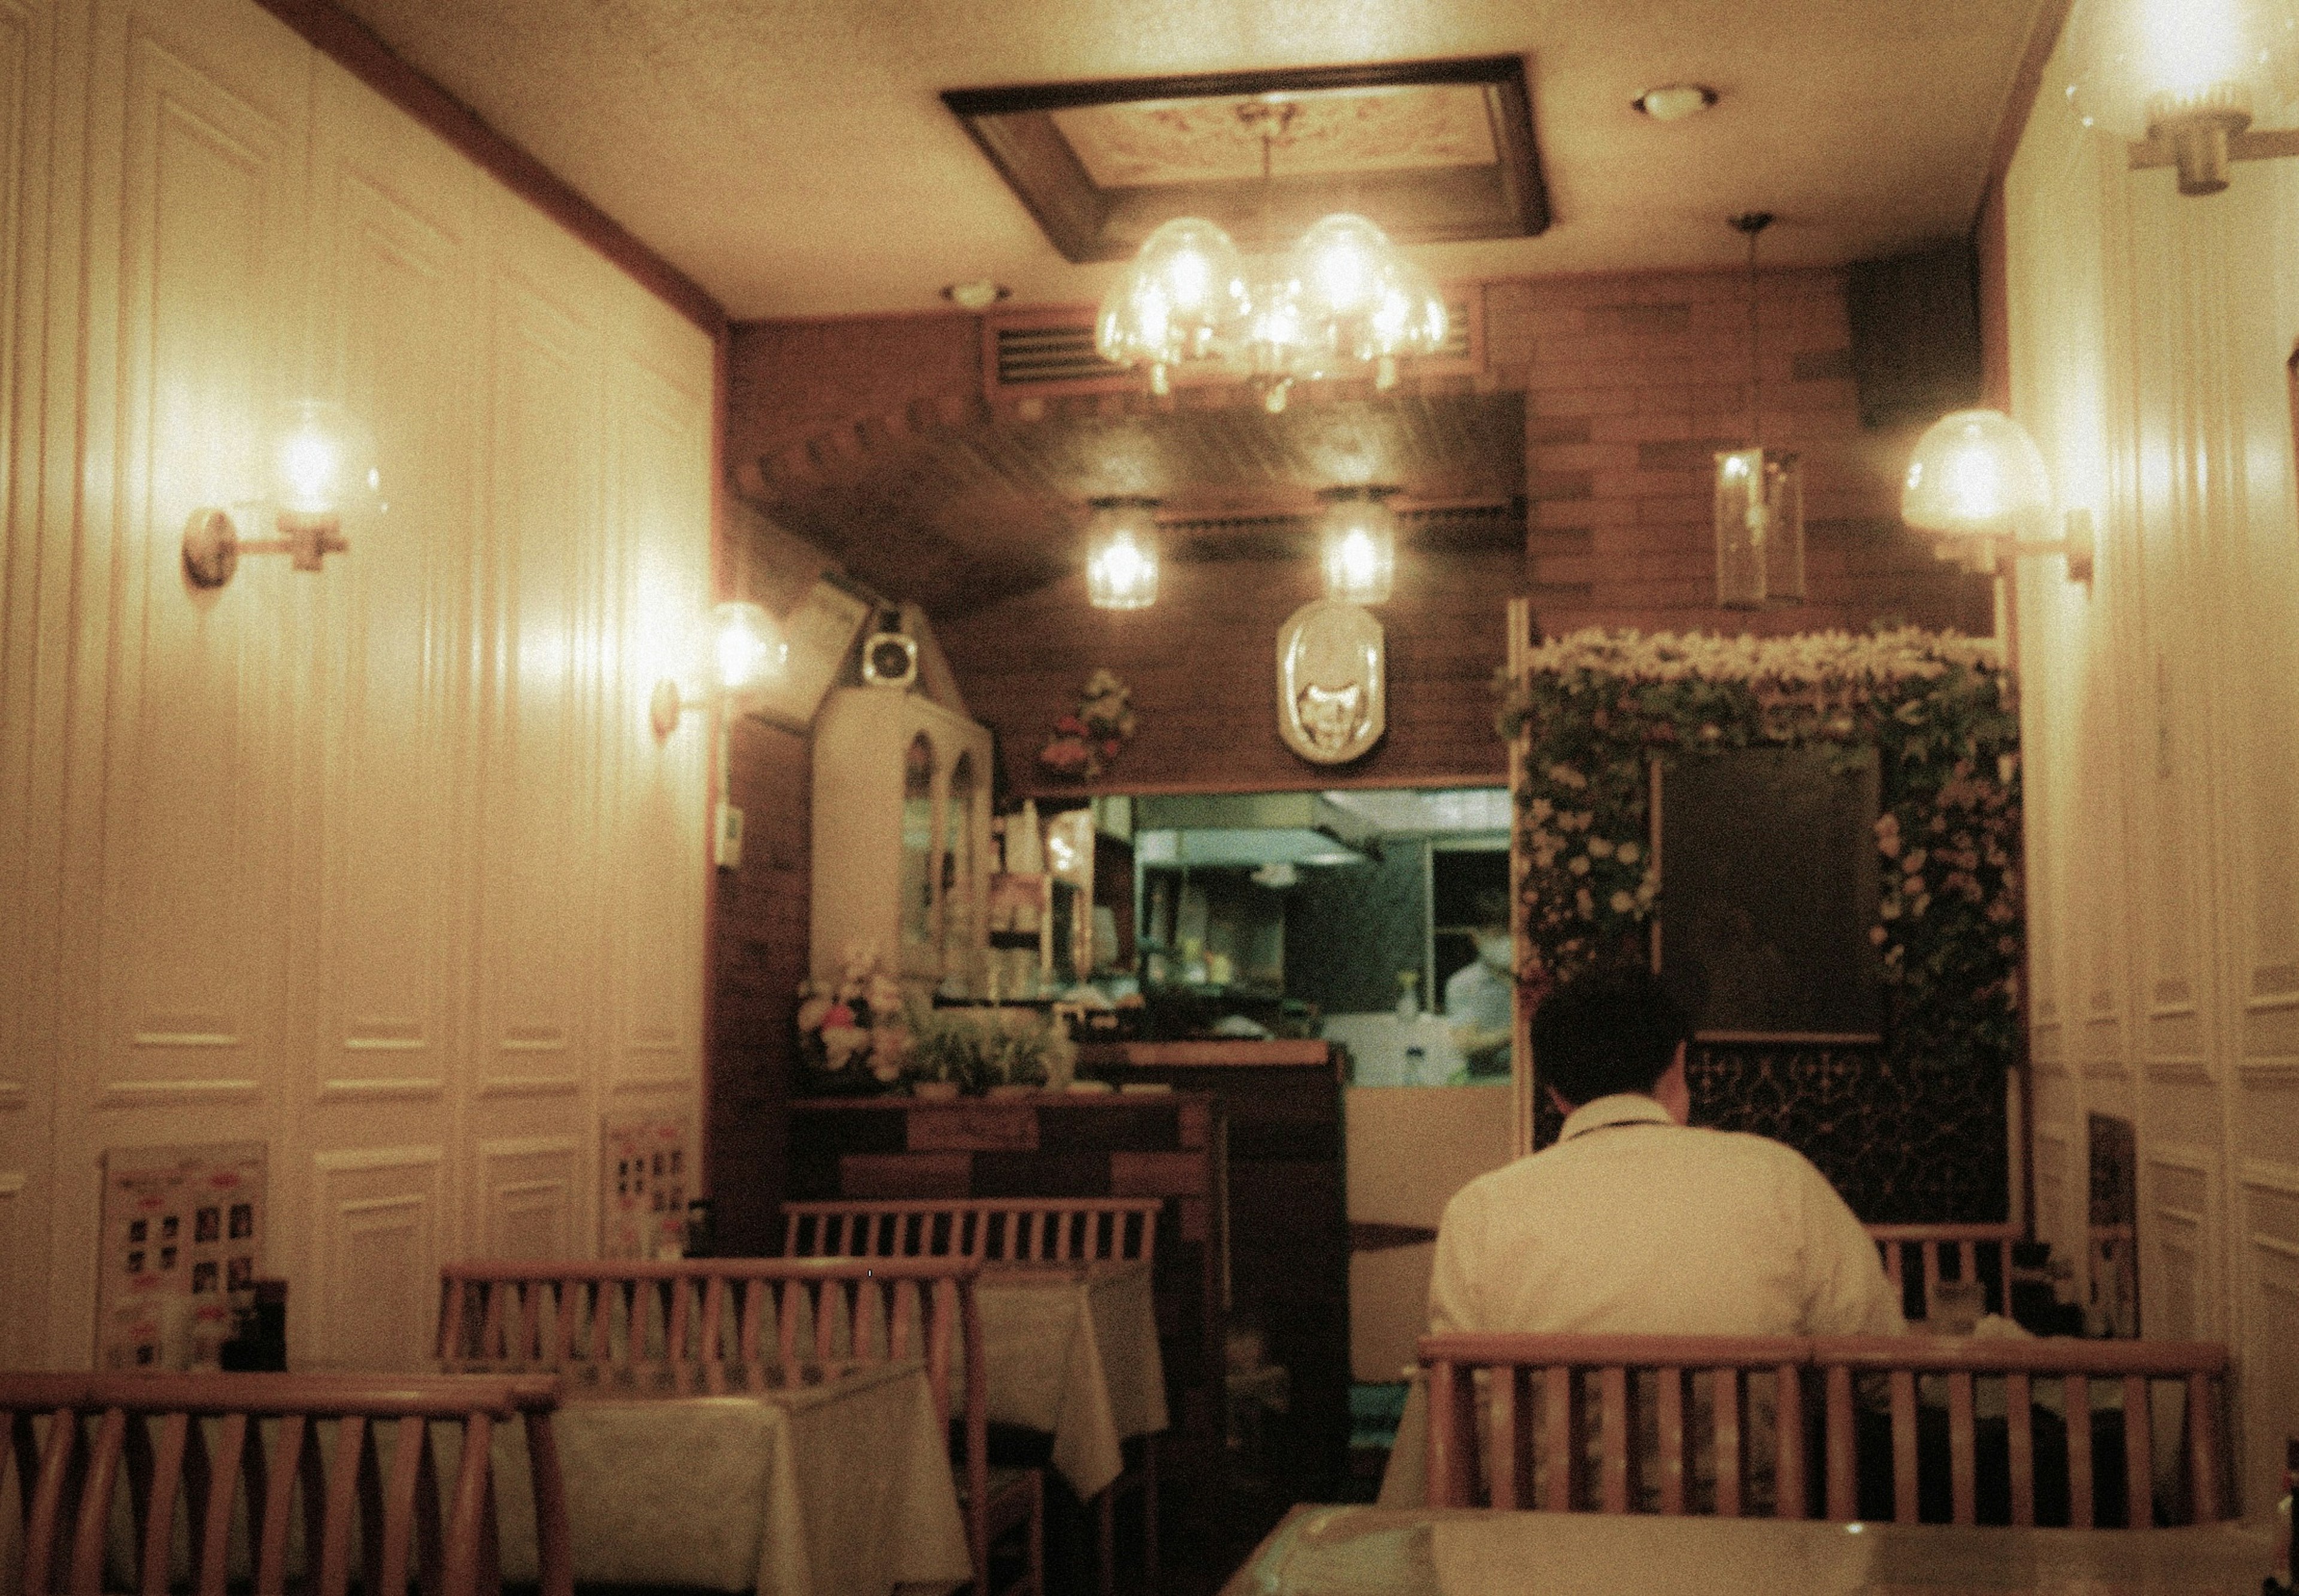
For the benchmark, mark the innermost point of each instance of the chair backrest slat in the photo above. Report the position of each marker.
(1015, 1230)
(2198, 1368)
(1967, 1240)
(191, 1448)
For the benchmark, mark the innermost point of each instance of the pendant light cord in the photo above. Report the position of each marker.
(1751, 223)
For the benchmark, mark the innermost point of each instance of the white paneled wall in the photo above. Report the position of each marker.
(382, 866)
(2150, 336)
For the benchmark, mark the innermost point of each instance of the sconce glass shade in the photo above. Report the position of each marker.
(1359, 535)
(2184, 75)
(746, 651)
(1759, 528)
(1121, 566)
(1976, 473)
(1181, 301)
(323, 462)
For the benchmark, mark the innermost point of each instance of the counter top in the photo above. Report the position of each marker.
(1194, 1055)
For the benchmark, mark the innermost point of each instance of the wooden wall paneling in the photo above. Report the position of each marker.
(21, 1265)
(378, 1229)
(32, 652)
(212, 176)
(2270, 1204)
(659, 511)
(539, 808)
(2179, 1241)
(529, 1198)
(396, 215)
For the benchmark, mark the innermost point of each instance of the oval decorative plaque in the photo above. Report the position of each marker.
(1331, 702)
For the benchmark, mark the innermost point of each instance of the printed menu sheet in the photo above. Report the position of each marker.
(645, 1163)
(183, 1228)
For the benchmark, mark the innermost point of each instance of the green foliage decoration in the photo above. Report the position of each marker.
(1935, 709)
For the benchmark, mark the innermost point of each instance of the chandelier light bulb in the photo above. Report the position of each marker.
(1181, 301)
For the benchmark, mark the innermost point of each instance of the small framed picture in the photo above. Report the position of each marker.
(204, 1277)
(243, 1221)
(239, 1274)
(207, 1225)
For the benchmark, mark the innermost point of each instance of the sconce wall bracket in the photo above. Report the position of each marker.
(1994, 554)
(212, 545)
(2203, 146)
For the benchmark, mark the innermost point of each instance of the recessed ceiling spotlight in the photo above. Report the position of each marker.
(1674, 101)
(977, 295)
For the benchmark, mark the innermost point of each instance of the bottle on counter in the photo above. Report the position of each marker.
(1409, 1000)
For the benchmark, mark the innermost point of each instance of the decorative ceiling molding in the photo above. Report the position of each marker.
(1432, 152)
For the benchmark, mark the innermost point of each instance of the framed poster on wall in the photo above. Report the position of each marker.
(644, 1167)
(182, 1230)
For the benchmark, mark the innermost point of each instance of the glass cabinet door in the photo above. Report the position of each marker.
(919, 863)
(959, 878)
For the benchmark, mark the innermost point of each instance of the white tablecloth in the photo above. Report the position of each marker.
(842, 1488)
(1072, 1350)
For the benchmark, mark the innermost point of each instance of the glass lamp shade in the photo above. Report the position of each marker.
(744, 651)
(1976, 473)
(1358, 538)
(1121, 566)
(1181, 301)
(323, 462)
(1759, 528)
(1362, 303)
(2189, 72)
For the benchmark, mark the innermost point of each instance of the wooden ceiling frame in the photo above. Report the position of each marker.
(1015, 128)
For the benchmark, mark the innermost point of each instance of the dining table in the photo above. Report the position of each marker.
(1070, 1349)
(1382, 1551)
(791, 1480)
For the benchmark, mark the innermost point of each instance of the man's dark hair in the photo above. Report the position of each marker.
(1607, 1030)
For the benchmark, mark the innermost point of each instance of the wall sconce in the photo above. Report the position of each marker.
(1978, 482)
(322, 468)
(2190, 73)
(1120, 563)
(1358, 536)
(738, 650)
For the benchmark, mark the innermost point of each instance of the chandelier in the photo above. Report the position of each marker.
(1343, 302)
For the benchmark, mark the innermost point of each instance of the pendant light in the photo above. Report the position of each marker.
(1759, 491)
(1121, 566)
(1358, 538)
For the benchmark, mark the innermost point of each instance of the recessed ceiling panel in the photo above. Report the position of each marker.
(1431, 151)
(1327, 133)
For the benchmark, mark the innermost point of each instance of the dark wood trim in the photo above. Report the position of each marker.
(2026, 83)
(352, 46)
(1014, 129)
(1487, 70)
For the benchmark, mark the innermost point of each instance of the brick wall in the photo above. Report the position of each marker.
(1633, 383)
(759, 920)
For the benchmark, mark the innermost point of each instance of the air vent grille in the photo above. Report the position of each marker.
(1043, 355)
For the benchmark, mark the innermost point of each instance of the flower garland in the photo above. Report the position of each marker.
(1937, 711)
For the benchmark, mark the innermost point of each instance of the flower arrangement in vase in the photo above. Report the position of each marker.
(855, 1035)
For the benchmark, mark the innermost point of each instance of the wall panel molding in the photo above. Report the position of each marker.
(378, 1221)
(529, 1197)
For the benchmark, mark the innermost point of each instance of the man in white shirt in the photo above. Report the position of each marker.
(1635, 1222)
(1479, 997)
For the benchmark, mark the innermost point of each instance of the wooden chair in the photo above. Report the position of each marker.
(2199, 1367)
(1564, 1370)
(152, 1424)
(1968, 1242)
(697, 1312)
(1007, 1230)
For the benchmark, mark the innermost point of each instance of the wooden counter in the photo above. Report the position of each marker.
(1289, 1235)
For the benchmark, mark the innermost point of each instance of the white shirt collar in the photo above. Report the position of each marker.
(1622, 1108)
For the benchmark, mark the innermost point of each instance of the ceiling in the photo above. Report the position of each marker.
(794, 159)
